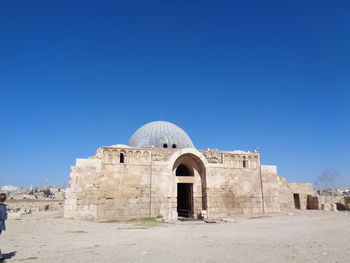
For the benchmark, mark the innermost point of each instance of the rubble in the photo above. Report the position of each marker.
(24, 201)
(37, 193)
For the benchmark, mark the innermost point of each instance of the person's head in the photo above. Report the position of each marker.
(2, 197)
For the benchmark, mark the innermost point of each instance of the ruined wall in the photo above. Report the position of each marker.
(287, 191)
(347, 202)
(286, 200)
(313, 202)
(303, 189)
(270, 188)
(326, 202)
(25, 207)
(81, 199)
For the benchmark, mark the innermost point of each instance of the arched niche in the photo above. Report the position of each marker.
(191, 193)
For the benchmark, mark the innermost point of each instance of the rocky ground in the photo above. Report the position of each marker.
(297, 236)
(17, 208)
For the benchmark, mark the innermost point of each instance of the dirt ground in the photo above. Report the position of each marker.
(294, 236)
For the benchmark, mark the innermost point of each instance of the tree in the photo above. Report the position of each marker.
(47, 192)
(327, 180)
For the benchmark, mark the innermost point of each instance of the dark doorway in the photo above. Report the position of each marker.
(312, 202)
(185, 200)
(296, 201)
(340, 207)
(182, 170)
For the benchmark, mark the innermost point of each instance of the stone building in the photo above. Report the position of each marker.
(160, 172)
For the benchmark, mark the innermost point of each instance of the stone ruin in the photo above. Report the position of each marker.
(160, 172)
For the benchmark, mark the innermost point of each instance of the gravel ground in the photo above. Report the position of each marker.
(289, 236)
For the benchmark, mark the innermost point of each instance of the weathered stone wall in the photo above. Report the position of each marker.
(82, 195)
(312, 202)
(326, 202)
(124, 190)
(286, 200)
(233, 191)
(125, 182)
(239, 186)
(347, 202)
(103, 188)
(30, 206)
(287, 190)
(163, 194)
(303, 189)
(270, 188)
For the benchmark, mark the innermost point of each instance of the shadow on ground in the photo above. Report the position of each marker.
(8, 255)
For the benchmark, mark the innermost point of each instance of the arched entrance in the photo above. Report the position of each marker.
(190, 172)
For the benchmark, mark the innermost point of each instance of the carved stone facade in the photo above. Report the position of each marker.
(112, 156)
(121, 182)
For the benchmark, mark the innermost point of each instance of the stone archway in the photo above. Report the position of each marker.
(189, 168)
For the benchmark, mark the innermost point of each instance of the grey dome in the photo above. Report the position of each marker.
(158, 133)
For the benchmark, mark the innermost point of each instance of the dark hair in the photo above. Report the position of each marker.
(2, 197)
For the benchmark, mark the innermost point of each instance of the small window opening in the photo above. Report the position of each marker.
(165, 145)
(244, 163)
(121, 158)
(174, 145)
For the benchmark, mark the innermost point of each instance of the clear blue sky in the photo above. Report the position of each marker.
(76, 75)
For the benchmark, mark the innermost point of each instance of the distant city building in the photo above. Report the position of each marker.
(335, 192)
(9, 188)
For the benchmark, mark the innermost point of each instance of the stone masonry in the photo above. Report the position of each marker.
(121, 182)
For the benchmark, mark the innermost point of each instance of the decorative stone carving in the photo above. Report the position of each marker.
(110, 157)
(230, 161)
(145, 156)
(130, 157)
(212, 156)
(252, 162)
(137, 156)
(157, 157)
(105, 157)
(236, 161)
